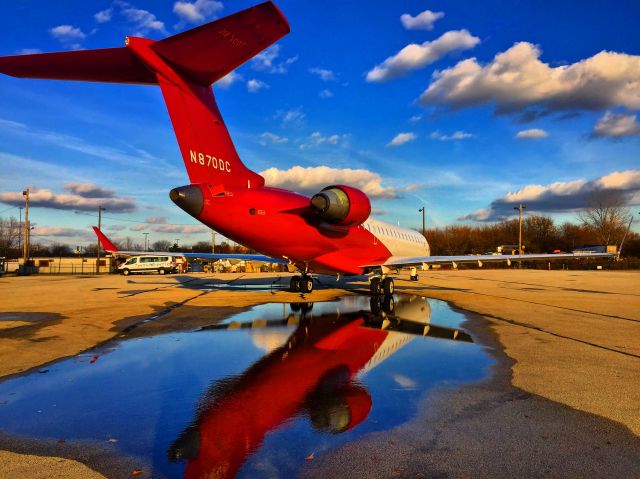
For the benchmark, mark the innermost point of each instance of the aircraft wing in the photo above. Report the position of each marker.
(109, 247)
(408, 261)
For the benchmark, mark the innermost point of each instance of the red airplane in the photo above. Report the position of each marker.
(328, 233)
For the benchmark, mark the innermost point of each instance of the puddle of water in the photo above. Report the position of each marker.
(256, 394)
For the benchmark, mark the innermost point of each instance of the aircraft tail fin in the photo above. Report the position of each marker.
(184, 65)
(108, 246)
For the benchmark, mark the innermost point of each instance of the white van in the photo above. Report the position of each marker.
(147, 264)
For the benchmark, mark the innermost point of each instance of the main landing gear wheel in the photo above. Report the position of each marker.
(301, 284)
(294, 284)
(388, 286)
(375, 287)
(306, 284)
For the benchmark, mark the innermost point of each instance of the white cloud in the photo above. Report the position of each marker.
(617, 125)
(67, 33)
(254, 86)
(45, 198)
(516, 80)
(156, 220)
(139, 227)
(422, 21)
(268, 137)
(267, 61)
(532, 134)
(402, 138)
(414, 56)
(229, 79)
(620, 180)
(310, 180)
(561, 196)
(317, 139)
(458, 135)
(29, 51)
(415, 118)
(290, 117)
(325, 93)
(198, 11)
(62, 231)
(180, 229)
(143, 20)
(89, 190)
(324, 74)
(103, 16)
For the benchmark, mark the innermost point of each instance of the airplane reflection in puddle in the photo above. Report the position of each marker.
(314, 374)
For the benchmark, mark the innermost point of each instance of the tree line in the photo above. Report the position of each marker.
(540, 234)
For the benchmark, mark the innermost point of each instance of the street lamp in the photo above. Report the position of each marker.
(146, 241)
(520, 207)
(422, 210)
(100, 210)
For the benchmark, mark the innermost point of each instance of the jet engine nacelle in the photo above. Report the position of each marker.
(342, 205)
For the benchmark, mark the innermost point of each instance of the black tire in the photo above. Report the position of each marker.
(126, 272)
(375, 286)
(414, 278)
(306, 284)
(294, 284)
(161, 271)
(388, 304)
(376, 305)
(388, 286)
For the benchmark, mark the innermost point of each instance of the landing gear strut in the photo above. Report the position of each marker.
(301, 284)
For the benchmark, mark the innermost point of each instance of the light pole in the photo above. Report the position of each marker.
(213, 242)
(146, 241)
(100, 210)
(25, 193)
(177, 239)
(422, 210)
(520, 207)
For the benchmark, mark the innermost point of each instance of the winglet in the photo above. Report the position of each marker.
(106, 243)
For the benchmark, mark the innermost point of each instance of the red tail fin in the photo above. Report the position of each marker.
(184, 66)
(108, 246)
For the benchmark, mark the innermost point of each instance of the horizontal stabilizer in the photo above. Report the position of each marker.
(111, 65)
(211, 51)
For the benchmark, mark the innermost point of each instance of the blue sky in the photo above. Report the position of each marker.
(497, 102)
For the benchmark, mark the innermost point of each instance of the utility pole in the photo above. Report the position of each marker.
(25, 193)
(213, 242)
(146, 241)
(177, 239)
(422, 210)
(100, 210)
(520, 207)
(20, 229)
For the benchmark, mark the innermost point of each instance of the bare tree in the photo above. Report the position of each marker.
(607, 215)
(161, 245)
(9, 236)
